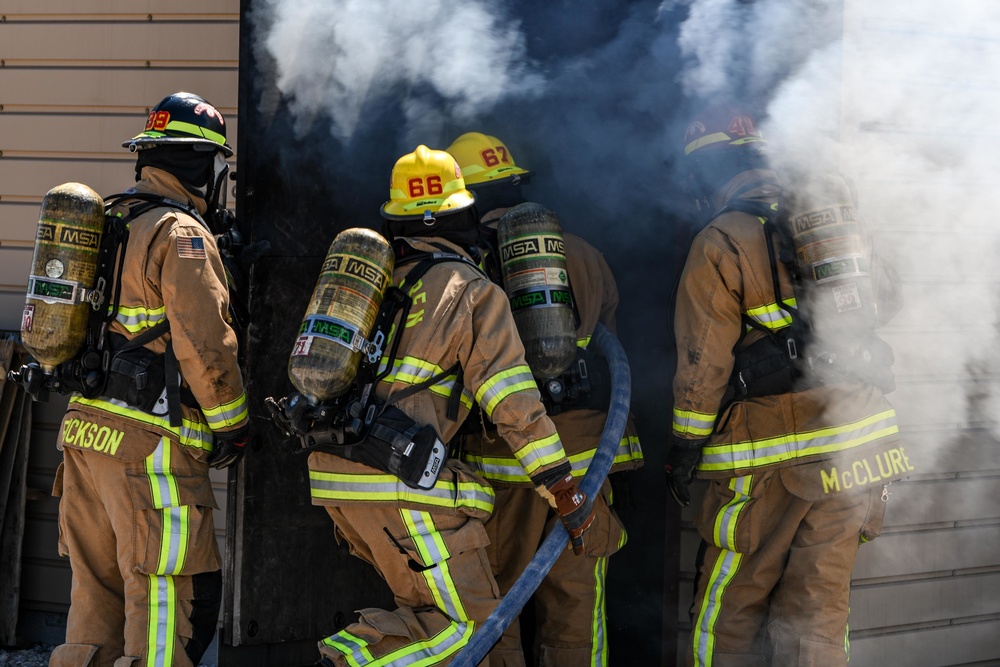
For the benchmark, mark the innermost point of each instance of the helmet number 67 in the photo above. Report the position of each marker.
(490, 158)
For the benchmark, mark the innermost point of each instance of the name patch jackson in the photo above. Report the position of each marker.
(866, 471)
(88, 435)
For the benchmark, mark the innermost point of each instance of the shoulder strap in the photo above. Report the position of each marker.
(424, 261)
(771, 228)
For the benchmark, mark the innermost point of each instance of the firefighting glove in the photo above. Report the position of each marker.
(682, 457)
(230, 446)
(574, 508)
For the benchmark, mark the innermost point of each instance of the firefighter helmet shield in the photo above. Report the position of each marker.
(425, 183)
(485, 159)
(720, 129)
(183, 118)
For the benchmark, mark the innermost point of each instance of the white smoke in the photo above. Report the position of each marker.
(900, 97)
(340, 59)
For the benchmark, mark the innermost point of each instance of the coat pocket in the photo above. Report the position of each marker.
(733, 513)
(173, 524)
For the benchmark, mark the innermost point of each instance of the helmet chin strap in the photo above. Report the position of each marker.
(215, 197)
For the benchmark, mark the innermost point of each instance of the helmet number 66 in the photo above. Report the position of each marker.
(420, 186)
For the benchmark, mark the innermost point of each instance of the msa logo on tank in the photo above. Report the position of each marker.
(532, 284)
(341, 313)
(56, 238)
(536, 280)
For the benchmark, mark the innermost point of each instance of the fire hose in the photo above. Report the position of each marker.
(621, 393)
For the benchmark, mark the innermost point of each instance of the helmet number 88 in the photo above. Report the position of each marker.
(490, 158)
(429, 186)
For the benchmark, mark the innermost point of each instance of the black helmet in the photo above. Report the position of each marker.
(183, 118)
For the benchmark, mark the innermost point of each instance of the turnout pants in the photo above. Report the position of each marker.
(569, 602)
(135, 521)
(433, 558)
(776, 562)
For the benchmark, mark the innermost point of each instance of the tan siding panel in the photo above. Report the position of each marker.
(18, 222)
(79, 133)
(36, 177)
(193, 7)
(14, 266)
(946, 501)
(929, 551)
(124, 87)
(932, 403)
(11, 305)
(955, 645)
(118, 41)
(943, 599)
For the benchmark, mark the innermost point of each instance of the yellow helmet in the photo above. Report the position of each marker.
(484, 159)
(423, 183)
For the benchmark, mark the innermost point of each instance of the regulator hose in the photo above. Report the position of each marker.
(621, 395)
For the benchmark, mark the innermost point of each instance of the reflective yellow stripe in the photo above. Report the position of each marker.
(725, 521)
(411, 370)
(137, 318)
(389, 488)
(502, 385)
(508, 469)
(540, 453)
(429, 543)
(690, 422)
(189, 433)
(422, 653)
(598, 621)
(723, 571)
(227, 414)
(772, 315)
(755, 453)
(174, 538)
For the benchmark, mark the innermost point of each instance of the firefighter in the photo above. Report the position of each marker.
(797, 465)
(135, 513)
(570, 628)
(460, 339)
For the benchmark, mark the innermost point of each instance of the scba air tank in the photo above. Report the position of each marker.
(831, 257)
(341, 314)
(535, 278)
(63, 271)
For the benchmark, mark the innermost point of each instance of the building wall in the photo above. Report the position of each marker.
(77, 79)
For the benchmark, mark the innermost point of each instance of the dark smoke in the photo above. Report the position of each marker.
(594, 97)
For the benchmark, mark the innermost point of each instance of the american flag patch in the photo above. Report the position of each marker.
(191, 247)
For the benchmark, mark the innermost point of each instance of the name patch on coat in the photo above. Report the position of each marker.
(88, 435)
(866, 471)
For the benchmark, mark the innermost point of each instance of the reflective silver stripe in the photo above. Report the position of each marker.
(725, 532)
(173, 554)
(795, 445)
(411, 370)
(135, 319)
(686, 422)
(704, 628)
(350, 645)
(503, 384)
(430, 651)
(535, 454)
(508, 469)
(599, 645)
(160, 644)
(226, 415)
(389, 488)
(430, 545)
(190, 433)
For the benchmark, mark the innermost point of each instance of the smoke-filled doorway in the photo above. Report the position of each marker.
(575, 95)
